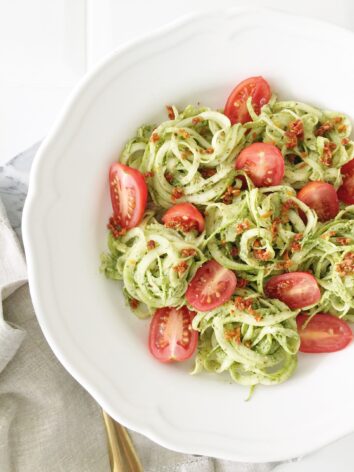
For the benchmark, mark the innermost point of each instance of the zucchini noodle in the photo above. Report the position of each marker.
(267, 352)
(155, 264)
(315, 156)
(256, 232)
(326, 255)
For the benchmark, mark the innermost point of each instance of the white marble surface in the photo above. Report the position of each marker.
(14, 178)
(52, 46)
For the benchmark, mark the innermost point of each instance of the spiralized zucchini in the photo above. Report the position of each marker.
(155, 264)
(254, 346)
(257, 232)
(329, 255)
(324, 147)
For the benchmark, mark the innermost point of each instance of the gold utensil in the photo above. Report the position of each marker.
(122, 454)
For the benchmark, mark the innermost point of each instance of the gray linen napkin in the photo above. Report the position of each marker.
(48, 422)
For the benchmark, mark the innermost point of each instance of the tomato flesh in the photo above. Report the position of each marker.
(295, 289)
(236, 105)
(211, 286)
(185, 217)
(323, 333)
(263, 163)
(171, 337)
(321, 197)
(128, 194)
(346, 190)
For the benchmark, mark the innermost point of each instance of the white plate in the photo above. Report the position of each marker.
(83, 315)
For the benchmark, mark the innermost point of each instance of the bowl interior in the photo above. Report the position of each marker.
(84, 315)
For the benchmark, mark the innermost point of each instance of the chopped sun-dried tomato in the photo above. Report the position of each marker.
(324, 128)
(180, 224)
(170, 112)
(182, 132)
(295, 132)
(230, 193)
(233, 335)
(196, 120)
(134, 303)
(328, 234)
(169, 177)
(344, 241)
(180, 268)
(151, 244)
(177, 193)
(274, 227)
(326, 158)
(246, 304)
(345, 141)
(346, 267)
(286, 263)
(240, 228)
(286, 206)
(261, 254)
(208, 150)
(115, 227)
(155, 137)
(296, 245)
(188, 252)
(147, 175)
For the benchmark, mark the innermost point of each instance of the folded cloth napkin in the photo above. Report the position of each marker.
(48, 422)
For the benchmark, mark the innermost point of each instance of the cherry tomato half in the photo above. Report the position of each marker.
(128, 194)
(185, 217)
(323, 333)
(263, 162)
(236, 108)
(346, 190)
(295, 289)
(171, 337)
(211, 286)
(321, 197)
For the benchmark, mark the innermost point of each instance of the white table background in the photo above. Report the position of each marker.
(46, 46)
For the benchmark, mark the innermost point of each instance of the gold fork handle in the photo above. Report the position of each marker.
(122, 454)
(128, 447)
(115, 453)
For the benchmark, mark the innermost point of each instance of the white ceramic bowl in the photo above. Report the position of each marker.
(83, 315)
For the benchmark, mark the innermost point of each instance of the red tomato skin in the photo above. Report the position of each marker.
(201, 287)
(346, 190)
(138, 189)
(159, 323)
(348, 168)
(258, 88)
(269, 160)
(281, 286)
(333, 334)
(185, 212)
(321, 197)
